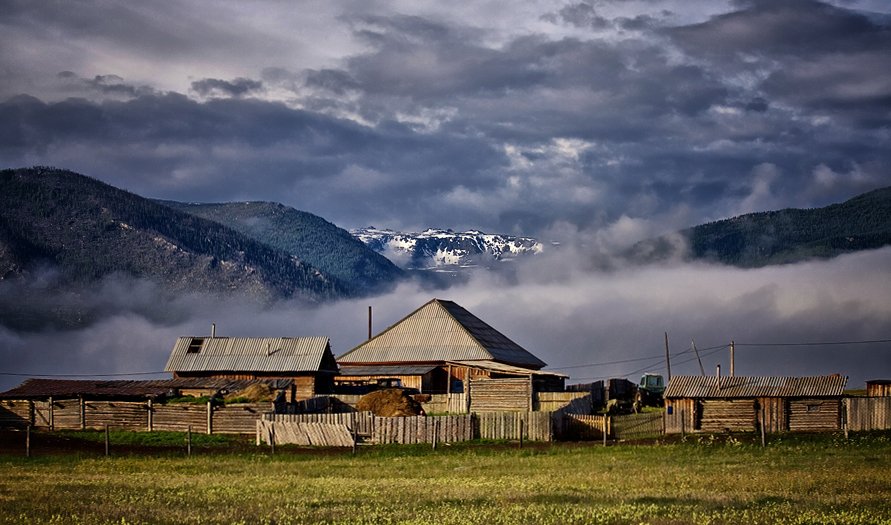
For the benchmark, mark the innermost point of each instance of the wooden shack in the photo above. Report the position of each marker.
(878, 388)
(307, 361)
(438, 349)
(743, 403)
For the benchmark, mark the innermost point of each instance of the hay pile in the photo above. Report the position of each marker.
(255, 393)
(390, 402)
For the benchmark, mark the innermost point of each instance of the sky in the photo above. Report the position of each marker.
(594, 124)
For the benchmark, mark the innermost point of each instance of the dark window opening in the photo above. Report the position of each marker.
(195, 345)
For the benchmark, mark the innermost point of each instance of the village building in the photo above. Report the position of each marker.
(306, 361)
(740, 403)
(438, 349)
(878, 388)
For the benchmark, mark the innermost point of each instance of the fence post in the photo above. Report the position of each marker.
(151, 417)
(272, 438)
(28, 441)
(763, 440)
(189, 441)
(83, 414)
(604, 429)
(210, 417)
(435, 432)
(52, 416)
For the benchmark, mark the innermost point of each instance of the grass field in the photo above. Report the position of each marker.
(823, 479)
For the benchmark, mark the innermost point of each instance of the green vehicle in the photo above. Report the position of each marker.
(650, 390)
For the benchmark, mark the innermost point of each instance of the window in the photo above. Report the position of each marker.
(195, 345)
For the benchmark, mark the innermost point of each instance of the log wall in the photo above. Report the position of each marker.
(720, 415)
(499, 395)
(814, 414)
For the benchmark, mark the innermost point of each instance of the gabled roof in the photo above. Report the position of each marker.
(441, 331)
(712, 387)
(251, 354)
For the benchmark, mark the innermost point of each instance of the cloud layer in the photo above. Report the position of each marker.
(569, 317)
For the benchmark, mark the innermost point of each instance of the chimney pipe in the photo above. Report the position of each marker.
(718, 373)
(213, 330)
(369, 323)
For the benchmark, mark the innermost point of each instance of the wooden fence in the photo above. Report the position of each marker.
(535, 426)
(637, 426)
(868, 413)
(79, 414)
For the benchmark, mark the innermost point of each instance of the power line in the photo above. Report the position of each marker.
(825, 343)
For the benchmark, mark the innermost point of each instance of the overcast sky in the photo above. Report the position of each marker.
(528, 118)
(601, 122)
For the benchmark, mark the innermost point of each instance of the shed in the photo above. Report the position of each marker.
(878, 388)
(307, 361)
(438, 347)
(717, 404)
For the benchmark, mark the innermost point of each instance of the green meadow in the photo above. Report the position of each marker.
(796, 479)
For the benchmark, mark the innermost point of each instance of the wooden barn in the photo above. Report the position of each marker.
(741, 404)
(307, 361)
(438, 348)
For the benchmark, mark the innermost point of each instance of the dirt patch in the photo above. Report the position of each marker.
(390, 402)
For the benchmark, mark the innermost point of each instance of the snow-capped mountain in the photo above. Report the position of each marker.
(434, 248)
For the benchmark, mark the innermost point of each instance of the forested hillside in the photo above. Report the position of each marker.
(309, 237)
(85, 230)
(786, 236)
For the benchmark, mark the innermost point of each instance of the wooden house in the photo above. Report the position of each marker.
(438, 348)
(307, 361)
(740, 404)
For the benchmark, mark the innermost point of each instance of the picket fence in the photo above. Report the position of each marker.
(532, 426)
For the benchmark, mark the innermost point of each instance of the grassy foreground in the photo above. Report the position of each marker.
(795, 480)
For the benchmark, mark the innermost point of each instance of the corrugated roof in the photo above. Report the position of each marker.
(441, 331)
(502, 368)
(385, 370)
(124, 389)
(712, 387)
(251, 354)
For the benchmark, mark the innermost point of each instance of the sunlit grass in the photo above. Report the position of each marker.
(821, 480)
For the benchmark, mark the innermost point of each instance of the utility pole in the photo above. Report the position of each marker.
(701, 370)
(732, 360)
(667, 358)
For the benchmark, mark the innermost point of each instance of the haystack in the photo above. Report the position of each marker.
(390, 402)
(254, 393)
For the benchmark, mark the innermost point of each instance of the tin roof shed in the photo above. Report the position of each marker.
(285, 355)
(712, 387)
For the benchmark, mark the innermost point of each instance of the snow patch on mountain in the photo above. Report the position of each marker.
(435, 248)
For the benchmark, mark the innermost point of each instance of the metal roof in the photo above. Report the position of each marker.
(125, 389)
(712, 387)
(502, 368)
(385, 370)
(251, 354)
(441, 331)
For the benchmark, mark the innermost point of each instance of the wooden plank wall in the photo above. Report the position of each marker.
(814, 414)
(775, 414)
(570, 402)
(446, 404)
(239, 418)
(179, 417)
(306, 434)
(15, 414)
(499, 395)
(120, 415)
(537, 426)
(66, 414)
(682, 416)
(578, 427)
(868, 413)
(363, 421)
(719, 415)
(637, 426)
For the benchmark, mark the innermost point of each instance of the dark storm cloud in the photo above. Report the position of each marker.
(235, 88)
(605, 110)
